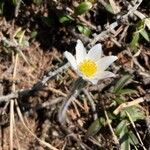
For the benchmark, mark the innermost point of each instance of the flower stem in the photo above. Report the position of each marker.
(78, 85)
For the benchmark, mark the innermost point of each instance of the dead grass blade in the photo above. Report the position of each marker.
(128, 104)
(24, 124)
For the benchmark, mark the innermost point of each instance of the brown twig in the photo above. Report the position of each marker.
(128, 104)
(36, 87)
(14, 45)
(12, 119)
(112, 131)
(105, 34)
(92, 103)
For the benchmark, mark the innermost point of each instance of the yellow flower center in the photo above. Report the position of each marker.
(88, 67)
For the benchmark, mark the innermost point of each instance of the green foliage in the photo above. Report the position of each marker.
(83, 8)
(121, 126)
(85, 30)
(140, 31)
(65, 19)
(134, 111)
(33, 34)
(123, 130)
(125, 135)
(108, 7)
(126, 91)
(135, 40)
(95, 127)
(145, 35)
(118, 89)
(123, 123)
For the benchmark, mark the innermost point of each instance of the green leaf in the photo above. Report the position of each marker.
(65, 19)
(125, 145)
(145, 35)
(109, 9)
(135, 112)
(119, 101)
(111, 116)
(95, 127)
(126, 91)
(133, 139)
(121, 126)
(83, 8)
(124, 138)
(140, 26)
(33, 34)
(135, 40)
(85, 30)
(121, 83)
(140, 30)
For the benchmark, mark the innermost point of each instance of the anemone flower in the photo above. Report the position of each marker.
(90, 66)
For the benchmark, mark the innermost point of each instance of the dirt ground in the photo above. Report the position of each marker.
(33, 41)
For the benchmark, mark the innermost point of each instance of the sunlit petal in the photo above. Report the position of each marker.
(94, 81)
(91, 67)
(105, 74)
(80, 51)
(71, 59)
(105, 62)
(95, 52)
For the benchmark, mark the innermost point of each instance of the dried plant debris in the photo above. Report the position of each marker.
(59, 90)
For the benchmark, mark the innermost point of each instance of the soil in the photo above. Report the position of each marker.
(44, 42)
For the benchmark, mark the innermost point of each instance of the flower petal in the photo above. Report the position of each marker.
(94, 81)
(105, 62)
(105, 74)
(71, 59)
(95, 52)
(80, 51)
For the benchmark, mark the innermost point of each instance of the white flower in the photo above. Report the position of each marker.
(90, 66)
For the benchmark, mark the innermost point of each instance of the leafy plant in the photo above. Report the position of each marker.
(85, 30)
(125, 135)
(83, 8)
(140, 31)
(124, 130)
(119, 87)
(95, 127)
(65, 19)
